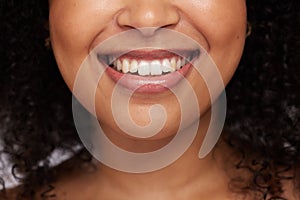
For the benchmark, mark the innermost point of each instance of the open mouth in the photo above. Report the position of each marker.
(148, 64)
(149, 70)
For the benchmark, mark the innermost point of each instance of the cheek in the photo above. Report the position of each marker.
(222, 24)
(224, 27)
(218, 19)
(69, 41)
(69, 26)
(74, 25)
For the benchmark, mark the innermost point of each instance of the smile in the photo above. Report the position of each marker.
(149, 71)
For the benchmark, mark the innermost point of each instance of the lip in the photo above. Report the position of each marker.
(150, 84)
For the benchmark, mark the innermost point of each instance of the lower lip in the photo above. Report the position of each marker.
(148, 84)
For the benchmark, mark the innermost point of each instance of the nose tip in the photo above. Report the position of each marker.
(151, 15)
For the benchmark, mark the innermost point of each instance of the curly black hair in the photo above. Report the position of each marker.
(262, 123)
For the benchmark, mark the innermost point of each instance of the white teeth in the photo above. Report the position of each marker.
(134, 66)
(145, 67)
(119, 65)
(178, 64)
(166, 65)
(155, 68)
(125, 66)
(173, 64)
(183, 62)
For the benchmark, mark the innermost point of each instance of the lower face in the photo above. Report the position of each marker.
(77, 26)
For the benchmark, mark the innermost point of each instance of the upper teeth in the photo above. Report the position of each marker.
(146, 67)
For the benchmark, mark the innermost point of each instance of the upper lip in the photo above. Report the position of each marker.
(166, 39)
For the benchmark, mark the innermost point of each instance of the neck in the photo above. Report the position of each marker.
(187, 176)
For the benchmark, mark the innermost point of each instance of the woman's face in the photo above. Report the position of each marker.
(77, 26)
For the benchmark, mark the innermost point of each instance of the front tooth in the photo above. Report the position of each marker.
(119, 65)
(166, 65)
(125, 66)
(134, 66)
(178, 64)
(144, 68)
(173, 64)
(155, 68)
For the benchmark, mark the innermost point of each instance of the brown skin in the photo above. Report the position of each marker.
(77, 26)
(219, 26)
(187, 178)
(78, 181)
